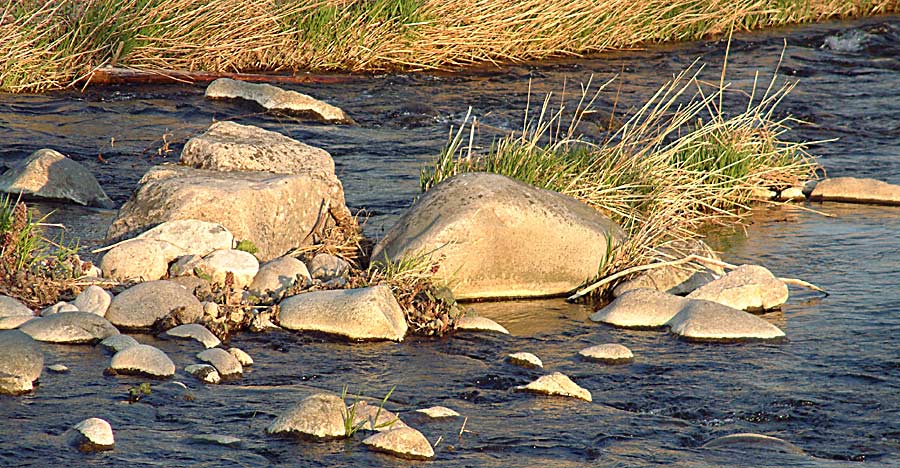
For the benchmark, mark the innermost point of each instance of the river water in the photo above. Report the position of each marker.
(831, 388)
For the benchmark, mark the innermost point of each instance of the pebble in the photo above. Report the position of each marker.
(438, 412)
(556, 384)
(610, 353)
(58, 368)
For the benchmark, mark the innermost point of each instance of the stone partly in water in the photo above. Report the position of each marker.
(58, 368)
(609, 353)
(241, 356)
(358, 314)
(276, 276)
(276, 212)
(70, 327)
(853, 190)
(143, 304)
(640, 308)
(495, 237)
(142, 360)
(92, 435)
(204, 373)
(49, 175)
(476, 323)
(218, 439)
(676, 279)
(192, 236)
(228, 366)
(194, 331)
(404, 442)
(117, 343)
(710, 321)
(15, 321)
(525, 360)
(138, 260)
(438, 412)
(22, 363)
(753, 442)
(93, 299)
(556, 384)
(10, 307)
(320, 416)
(242, 265)
(792, 194)
(273, 98)
(748, 287)
(365, 414)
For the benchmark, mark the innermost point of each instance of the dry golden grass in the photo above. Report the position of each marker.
(48, 44)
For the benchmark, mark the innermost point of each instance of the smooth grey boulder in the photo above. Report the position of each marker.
(273, 98)
(320, 415)
(753, 442)
(557, 384)
(854, 190)
(276, 212)
(640, 308)
(116, 343)
(141, 305)
(227, 365)
(327, 267)
(365, 414)
(191, 236)
(610, 353)
(204, 373)
(93, 299)
(10, 307)
(138, 260)
(275, 276)
(704, 320)
(495, 237)
(60, 306)
(676, 279)
(22, 363)
(15, 321)
(194, 331)
(91, 435)
(477, 323)
(69, 327)
(242, 265)
(525, 360)
(404, 442)
(49, 175)
(747, 287)
(359, 314)
(143, 360)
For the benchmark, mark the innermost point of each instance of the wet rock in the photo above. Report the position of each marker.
(192, 236)
(320, 415)
(10, 307)
(242, 265)
(494, 237)
(854, 190)
(49, 175)
(92, 435)
(227, 365)
(143, 304)
(358, 314)
(404, 442)
(610, 353)
(93, 299)
(204, 373)
(476, 323)
(142, 360)
(275, 99)
(747, 287)
(138, 260)
(58, 368)
(556, 384)
(61, 306)
(69, 327)
(276, 276)
(438, 412)
(326, 267)
(116, 343)
(22, 363)
(187, 265)
(194, 331)
(15, 321)
(275, 212)
(218, 439)
(705, 320)
(241, 356)
(640, 308)
(677, 279)
(365, 414)
(792, 194)
(525, 360)
(753, 443)
(809, 186)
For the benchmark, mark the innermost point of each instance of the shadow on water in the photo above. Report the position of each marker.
(830, 388)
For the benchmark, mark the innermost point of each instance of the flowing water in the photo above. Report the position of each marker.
(831, 388)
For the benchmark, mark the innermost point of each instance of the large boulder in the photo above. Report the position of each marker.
(495, 237)
(22, 363)
(710, 321)
(275, 99)
(277, 212)
(558, 384)
(141, 305)
(358, 314)
(49, 175)
(853, 190)
(747, 287)
(70, 327)
(676, 279)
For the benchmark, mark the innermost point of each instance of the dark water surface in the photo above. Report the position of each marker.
(832, 388)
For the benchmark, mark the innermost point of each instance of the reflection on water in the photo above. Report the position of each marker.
(830, 388)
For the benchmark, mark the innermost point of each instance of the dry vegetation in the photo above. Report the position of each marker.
(50, 44)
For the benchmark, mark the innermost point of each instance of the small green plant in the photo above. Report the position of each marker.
(352, 426)
(136, 392)
(248, 246)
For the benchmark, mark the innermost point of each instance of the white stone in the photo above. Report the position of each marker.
(753, 442)
(22, 363)
(359, 314)
(273, 98)
(556, 384)
(194, 331)
(640, 308)
(61, 306)
(792, 194)
(69, 327)
(705, 320)
(320, 415)
(204, 373)
(278, 275)
(192, 236)
(404, 442)
(525, 360)
(92, 435)
(476, 323)
(854, 190)
(438, 412)
(138, 260)
(50, 175)
(93, 299)
(143, 360)
(747, 287)
(611, 353)
(58, 368)
(241, 356)
(365, 414)
(143, 304)
(242, 265)
(117, 343)
(227, 365)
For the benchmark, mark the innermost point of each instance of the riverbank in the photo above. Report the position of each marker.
(51, 45)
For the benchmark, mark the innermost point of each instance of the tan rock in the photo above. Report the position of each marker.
(704, 320)
(476, 323)
(227, 365)
(204, 373)
(748, 287)
(143, 304)
(69, 327)
(676, 279)
(792, 194)
(275, 99)
(92, 435)
(192, 236)
(241, 356)
(404, 442)
(194, 331)
(143, 360)
(854, 190)
(438, 412)
(93, 299)
(556, 384)
(610, 353)
(242, 265)
(359, 314)
(365, 414)
(320, 415)
(525, 360)
(22, 363)
(138, 260)
(10, 307)
(50, 175)
(640, 308)
(278, 275)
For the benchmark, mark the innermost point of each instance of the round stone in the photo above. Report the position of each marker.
(117, 343)
(194, 331)
(241, 356)
(404, 442)
(70, 327)
(141, 305)
(320, 415)
(640, 308)
(610, 353)
(227, 365)
(137, 260)
(92, 435)
(93, 299)
(556, 384)
(244, 266)
(438, 412)
(475, 323)
(204, 373)
(525, 360)
(711, 321)
(22, 363)
(10, 307)
(58, 368)
(142, 360)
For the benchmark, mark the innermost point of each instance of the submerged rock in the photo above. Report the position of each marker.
(359, 314)
(404, 442)
(192, 236)
(194, 331)
(274, 211)
(525, 360)
(142, 360)
(204, 373)
(93, 299)
(70, 327)
(640, 308)
(438, 412)
(677, 279)
(117, 343)
(273, 98)
(556, 384)
(50, 175)
(747, 287)
(853, 190)
(278, 275)
(92, 435)
(227, 365)
(753, 442)
(138, 260)
(610, 353)
(320, 415)
(141, 305)
(218, 439)
(242, 265)
(476, 323)
(495, 237)
(705, 320)
(22, 363)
